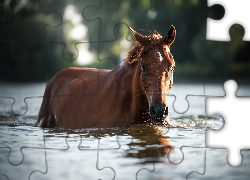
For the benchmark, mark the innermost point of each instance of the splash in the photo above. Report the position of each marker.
(186, 123)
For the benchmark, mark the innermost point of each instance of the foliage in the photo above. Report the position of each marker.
(35, 44)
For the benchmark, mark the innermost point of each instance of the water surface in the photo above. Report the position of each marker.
(133, 152)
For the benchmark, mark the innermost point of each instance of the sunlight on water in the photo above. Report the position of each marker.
(127, 149)
(190, 123)
(193, 123)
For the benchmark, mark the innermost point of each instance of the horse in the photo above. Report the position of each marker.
(135, 92)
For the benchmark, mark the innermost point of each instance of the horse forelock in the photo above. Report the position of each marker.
(133, 54)
(138, 51)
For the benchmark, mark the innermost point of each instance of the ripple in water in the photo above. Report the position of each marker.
(190, 123)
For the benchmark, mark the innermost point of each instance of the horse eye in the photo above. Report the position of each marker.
(172, 69)
(143, 68)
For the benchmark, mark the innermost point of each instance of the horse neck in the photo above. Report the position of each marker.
(135, 89)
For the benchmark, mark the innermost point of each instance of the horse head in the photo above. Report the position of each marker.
(156, 66)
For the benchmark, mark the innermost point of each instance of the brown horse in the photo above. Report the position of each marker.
(134, 92)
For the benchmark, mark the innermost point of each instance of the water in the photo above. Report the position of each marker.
(134, 152)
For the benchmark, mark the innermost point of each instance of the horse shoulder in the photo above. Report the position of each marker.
(72, 78)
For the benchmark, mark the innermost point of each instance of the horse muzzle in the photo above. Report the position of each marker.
(158, 114)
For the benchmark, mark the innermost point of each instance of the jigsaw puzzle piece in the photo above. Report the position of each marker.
(98, 54)
(193, 102)
(155, 143)
(19, 95)
(72, 33)
(107, 138)
(10, 72)
(121, 44)
(126, 159)
(34, 162)
(235, 110)
(181, 170)
(30, 17)
(120, 77)
(87, 159)
(56, 138)
(183, 40)
(214, 89)
(228, 60)
(72, 87)
(235, 13)
(243, 90)
(17, 138)
(23, 70)
(185, 12)
(193, 87)
(3, 177)
(217, 166)
(195, 120)
(113, 35)
(6, 106)
(105, 10)
(100, 112)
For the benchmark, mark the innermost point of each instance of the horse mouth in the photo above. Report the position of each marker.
(159, 120)
(164, 120)
(158, 117)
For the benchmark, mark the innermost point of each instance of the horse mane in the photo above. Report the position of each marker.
(138, 51)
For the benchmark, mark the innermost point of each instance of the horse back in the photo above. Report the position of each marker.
(69, 86)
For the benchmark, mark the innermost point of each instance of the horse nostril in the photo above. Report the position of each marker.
(158, 113)
(152, 110)
(166, 111)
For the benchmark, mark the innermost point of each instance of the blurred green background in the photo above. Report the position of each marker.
(40, 38)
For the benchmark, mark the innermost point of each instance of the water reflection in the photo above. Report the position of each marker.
(146, 142)
(128, 151)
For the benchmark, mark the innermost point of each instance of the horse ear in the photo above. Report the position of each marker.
(170, 37)
(140, 38)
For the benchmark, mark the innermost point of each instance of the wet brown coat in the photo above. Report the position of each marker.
(78, 98)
